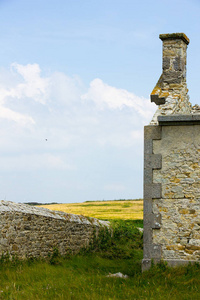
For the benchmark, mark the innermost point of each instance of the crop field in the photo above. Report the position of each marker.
(85, 276)
(104, 210)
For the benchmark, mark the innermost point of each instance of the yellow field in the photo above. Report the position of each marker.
(125, 209)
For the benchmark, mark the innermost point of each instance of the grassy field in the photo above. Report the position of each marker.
(84, 276)
(104, 210)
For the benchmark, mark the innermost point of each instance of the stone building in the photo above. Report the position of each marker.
(172, 165)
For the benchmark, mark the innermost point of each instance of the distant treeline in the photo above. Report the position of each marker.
(114, 200)
(36, 203)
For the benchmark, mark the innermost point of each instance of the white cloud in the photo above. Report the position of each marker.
(64, 89)
(28, 85)
(9, 114)
(34, 86)
(6, 113)
(30, 162)
(24, 86)
(86, 129)
(58, 89)
(106, 96)
(55, 107)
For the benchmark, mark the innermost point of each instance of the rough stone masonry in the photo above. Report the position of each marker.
(172, 165)
(27, 231)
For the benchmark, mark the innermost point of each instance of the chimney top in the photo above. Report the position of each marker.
(171, 88)
(175, 36)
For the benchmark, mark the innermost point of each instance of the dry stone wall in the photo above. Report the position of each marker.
(28, 231)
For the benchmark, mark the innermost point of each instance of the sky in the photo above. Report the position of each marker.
(75, 80)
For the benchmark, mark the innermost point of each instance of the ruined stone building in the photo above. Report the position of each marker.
(172, 164)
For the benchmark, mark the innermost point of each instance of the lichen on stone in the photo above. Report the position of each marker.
(171, 87)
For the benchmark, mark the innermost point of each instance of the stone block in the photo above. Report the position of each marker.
(152, 132)
(148, 146)
(166, 63)
(153, 161)
(152, 220)
(156, 221)
(147, 236)
(174, 77)
(148, 176)
(146, 264)
(147, 207)
(156, 190)
(152, 251)
(157, 100)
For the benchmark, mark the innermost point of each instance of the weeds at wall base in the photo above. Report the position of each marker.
(7, 261)
(123, 240)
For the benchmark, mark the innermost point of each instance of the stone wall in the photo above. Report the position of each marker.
(172, 191)
(33, 231)
(179, 205)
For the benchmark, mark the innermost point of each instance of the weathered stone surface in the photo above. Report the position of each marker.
(174, 36)
(196, 109)
(151, 190)
(179, 120)
(179, 205)
(153, 251)
(180, 173)
(172, 165)
(153, 161)
(152, 132)
(170, 92)
(34, 231)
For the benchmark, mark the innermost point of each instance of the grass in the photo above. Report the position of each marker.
(104, 210)
(84, 276)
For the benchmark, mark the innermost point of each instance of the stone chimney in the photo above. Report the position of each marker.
(170, 92)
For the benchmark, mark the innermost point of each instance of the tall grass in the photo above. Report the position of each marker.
(84, 277)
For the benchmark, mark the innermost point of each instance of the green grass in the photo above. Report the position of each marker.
(84, 276)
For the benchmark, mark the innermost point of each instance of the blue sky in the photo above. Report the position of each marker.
(79, 74)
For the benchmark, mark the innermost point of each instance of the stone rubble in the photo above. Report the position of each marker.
(118, 275)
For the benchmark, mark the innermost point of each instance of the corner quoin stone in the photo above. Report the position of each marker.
(151, 191)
